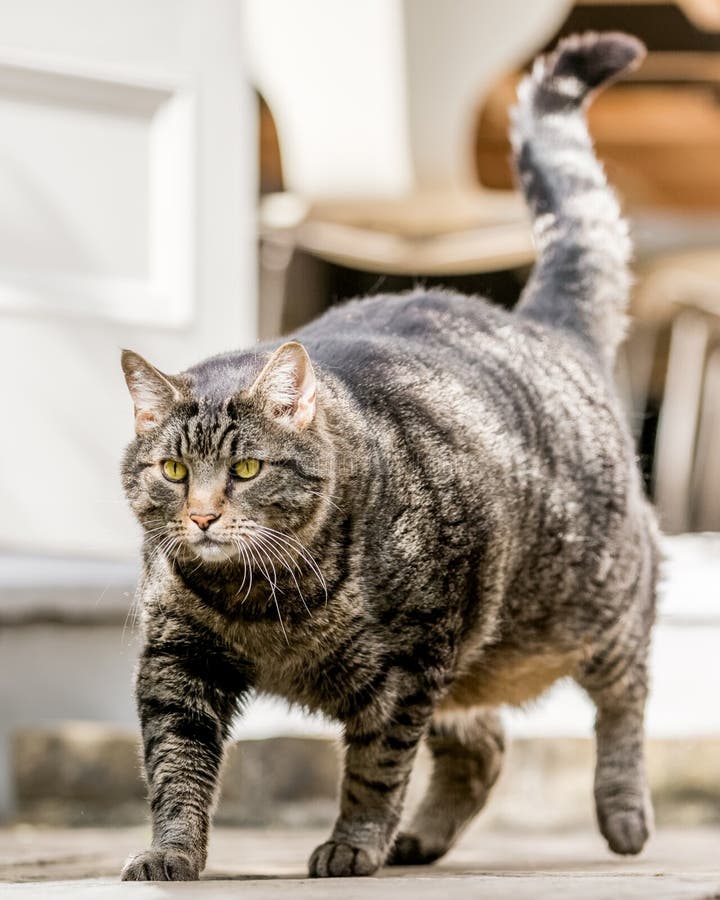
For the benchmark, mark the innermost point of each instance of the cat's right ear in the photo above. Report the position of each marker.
(152, 392)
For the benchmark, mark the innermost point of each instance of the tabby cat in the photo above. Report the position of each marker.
(418, 509)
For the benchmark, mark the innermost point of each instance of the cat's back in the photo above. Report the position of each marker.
(384, 344)
(411, 341)
(457, 354)
(496, 396)
(387, 325)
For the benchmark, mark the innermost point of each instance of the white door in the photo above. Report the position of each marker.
(127, 198)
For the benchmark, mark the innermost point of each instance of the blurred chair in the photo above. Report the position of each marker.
(375, 107)
(681, 292)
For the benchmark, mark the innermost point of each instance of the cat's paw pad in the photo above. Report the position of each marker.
(626, 831)
(337, 859)
(160, 865)
(409, 850)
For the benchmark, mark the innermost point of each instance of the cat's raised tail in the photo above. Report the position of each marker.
(581, 280)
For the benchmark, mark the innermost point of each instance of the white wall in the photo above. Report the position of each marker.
(127, 204)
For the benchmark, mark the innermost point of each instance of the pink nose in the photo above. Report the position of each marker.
(203, 520)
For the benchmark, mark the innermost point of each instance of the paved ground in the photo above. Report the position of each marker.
(271, 864)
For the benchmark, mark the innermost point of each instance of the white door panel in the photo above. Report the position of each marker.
(127, 198)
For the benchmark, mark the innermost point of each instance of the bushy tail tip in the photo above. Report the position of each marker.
(582, 64)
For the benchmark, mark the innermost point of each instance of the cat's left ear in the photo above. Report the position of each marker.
(287, 386)
(152, 392)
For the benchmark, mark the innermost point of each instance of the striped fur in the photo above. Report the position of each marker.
(448, 517)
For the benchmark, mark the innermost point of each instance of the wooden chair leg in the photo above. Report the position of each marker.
(634, 376)
(706, 477)
(306, 290)
(677, 426)
(274, 258)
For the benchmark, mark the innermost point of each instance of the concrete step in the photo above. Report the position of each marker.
(88, 774)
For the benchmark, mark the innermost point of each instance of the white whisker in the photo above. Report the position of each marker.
(247, 570)
(273, 594)
(268, 542)
(324, 497)
(292, 543)
(251, 555)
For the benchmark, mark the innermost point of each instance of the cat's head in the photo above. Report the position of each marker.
(230, 460)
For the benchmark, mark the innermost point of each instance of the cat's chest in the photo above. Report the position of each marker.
(317, 667)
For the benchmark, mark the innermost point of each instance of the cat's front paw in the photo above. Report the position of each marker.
(338, 859)
(160, 865)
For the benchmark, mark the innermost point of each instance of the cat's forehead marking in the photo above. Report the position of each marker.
(217, 427)
(210, 430)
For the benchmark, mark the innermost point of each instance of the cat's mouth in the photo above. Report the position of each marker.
(212, 548)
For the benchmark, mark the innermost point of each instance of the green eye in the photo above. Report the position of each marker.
(174, 470)
(245, 468)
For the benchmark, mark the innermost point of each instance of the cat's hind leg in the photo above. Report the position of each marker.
(467, 755)
(616, 680)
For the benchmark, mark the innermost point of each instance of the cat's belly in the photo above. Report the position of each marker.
(509, 677)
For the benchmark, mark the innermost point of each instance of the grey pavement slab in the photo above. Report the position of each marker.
(256, 864)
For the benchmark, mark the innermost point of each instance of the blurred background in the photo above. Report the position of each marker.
(189, 176)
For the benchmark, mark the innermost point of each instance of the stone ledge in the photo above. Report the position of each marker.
(51, 590)
(88, 774)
